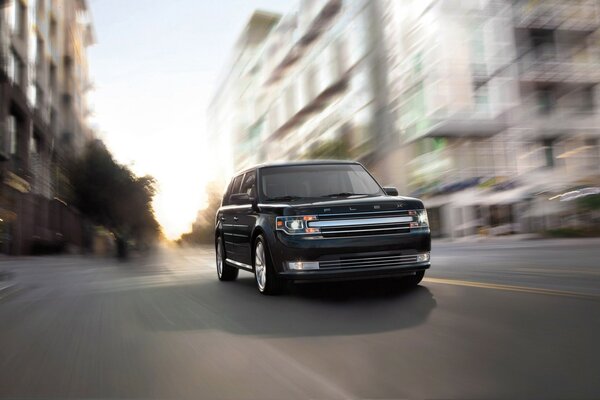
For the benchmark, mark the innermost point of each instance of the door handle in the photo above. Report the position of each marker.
(222, 218)
(235, 219)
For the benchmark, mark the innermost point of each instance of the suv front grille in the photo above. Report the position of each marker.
(369, 262)
(368, 230)
(363, 224)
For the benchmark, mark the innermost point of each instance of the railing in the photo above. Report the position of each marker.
(581, 15)
(287, 54)
(558, 118)
(4, 43)
(551, 67)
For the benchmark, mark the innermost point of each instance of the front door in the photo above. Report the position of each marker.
(228, 222)
(246, 218)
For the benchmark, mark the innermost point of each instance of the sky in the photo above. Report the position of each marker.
(155, 67)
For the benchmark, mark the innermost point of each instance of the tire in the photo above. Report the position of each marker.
(412, 280)
(224, 272)
(267, 281)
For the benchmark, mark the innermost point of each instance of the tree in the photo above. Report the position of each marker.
(203, 230)
(111, 195)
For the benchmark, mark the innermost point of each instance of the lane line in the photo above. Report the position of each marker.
(523, 289)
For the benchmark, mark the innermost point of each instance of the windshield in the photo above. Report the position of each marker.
(317, 181)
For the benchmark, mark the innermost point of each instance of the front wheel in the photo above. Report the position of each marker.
(224, 272)
(266, 279)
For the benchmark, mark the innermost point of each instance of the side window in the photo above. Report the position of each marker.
(225, 201)
(249, 184)
(233, 188)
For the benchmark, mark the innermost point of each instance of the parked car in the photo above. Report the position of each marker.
(318, 220)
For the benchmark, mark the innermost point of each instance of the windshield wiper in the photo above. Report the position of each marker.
(284, 198)
(345, 194)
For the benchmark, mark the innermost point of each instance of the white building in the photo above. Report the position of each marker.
(484, 108)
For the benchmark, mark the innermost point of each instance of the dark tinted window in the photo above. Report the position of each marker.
(316, 181)
(249, 184)
(226, 194)
(232, 189)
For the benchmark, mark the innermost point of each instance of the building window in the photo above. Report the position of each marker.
(593, 153)
(482, 99)
(53, 32)
(543, 44)
(549, 152)
(309, 83)
(290, 100)
(41, 8)
(39, 97)
(35, 144)
(588, 101)
(18, 17)
(39, 54)
(12, 134)
(546, 100)
(52, 80)
(16, 69)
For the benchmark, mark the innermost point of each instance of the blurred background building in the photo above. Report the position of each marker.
(486, 109)
(43, 117)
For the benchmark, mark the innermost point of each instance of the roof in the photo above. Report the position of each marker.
(294, 163)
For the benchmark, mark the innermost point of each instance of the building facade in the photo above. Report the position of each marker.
(486, 109)
(43, 116)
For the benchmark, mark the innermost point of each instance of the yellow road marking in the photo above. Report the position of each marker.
(511, 288)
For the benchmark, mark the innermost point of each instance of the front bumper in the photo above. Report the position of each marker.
(289, 248)
(354, 273)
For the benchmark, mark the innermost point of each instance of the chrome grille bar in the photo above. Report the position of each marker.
(387, 261)
(359, 222)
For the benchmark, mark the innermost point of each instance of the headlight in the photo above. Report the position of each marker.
(296, 225)
(420, 219)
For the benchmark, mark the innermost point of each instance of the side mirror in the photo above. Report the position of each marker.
(240, 198)
(390, 191)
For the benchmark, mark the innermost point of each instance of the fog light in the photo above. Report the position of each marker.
(423, 257)
(302, 265)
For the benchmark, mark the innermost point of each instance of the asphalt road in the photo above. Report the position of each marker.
(499, 319)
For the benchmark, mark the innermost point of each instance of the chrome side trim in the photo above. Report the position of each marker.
(238, 264)
(235, 234)
(236, 206)
(359, 222)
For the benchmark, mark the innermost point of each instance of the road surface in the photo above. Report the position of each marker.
(494, 319)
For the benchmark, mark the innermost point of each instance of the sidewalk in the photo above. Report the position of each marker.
(525, 240)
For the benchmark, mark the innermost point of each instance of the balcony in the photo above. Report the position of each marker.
(325, 97)
(558, 121)
(574, 15)
(552, 68)
(307, 36)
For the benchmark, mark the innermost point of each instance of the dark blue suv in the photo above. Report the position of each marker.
(318, 220)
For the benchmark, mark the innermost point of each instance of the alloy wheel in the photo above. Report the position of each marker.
(260, 266)
(220, 258)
